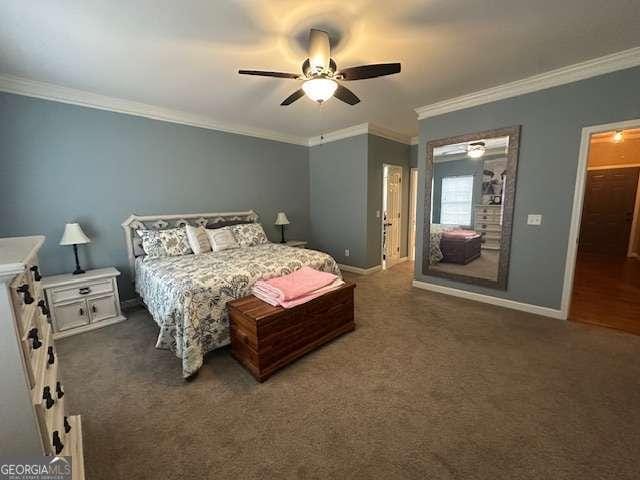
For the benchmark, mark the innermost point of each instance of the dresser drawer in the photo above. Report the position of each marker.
(73, 293)
(71, 315)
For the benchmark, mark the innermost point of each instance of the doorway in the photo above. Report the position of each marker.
(391, 215)
(413, 203)
(606, 279)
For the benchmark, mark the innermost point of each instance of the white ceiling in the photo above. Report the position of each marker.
(184, 55)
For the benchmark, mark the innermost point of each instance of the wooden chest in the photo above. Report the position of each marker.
(266, 338)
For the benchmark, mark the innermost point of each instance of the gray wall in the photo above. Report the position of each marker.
(413, 156)
(61, 163)
(551, 127)
(338, 189)
(383, 151)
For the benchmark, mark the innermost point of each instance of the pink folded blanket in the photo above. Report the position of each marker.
(459, 233)
(294, 285)
(300, 300)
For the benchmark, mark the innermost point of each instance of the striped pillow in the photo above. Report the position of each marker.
(221, 239)
(198, 240)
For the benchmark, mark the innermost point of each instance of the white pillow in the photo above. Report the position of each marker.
(221, 239)
(198, 239)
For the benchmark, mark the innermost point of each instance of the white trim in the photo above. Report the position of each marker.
(56, 93)
(501, 302)
(358, 270)
(389, 134)
(609, 167)
(130, 303)
(578, 200)
(415, 140)
(561, 76)
(360, 129)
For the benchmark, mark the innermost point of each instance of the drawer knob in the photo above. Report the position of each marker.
(24, 290)
(35, 341)
(43, 307)
(36, 273)
(67, 426)
(94, 309)
(52, 357)
(84, 290)
(46, 396)
(57, 443)
(59, 390)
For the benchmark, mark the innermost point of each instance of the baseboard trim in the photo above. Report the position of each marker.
(131, 303)
(501, 302)
(358, 270)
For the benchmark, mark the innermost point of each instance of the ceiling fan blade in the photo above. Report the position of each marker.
(319, 49)
(369, 71)
(260, 73)
(346, 95)
(293, 97)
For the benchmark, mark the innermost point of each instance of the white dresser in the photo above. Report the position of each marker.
(488, 223)
(32, 398)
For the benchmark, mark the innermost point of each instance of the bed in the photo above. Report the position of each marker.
(187, 295)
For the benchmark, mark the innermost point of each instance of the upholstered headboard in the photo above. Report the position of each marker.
(161, 222)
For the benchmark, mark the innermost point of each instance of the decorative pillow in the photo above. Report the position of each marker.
(221, 239)
(249, 234)
(198, 240)
(164, 243)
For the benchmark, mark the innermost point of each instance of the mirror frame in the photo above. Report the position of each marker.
(509, 198)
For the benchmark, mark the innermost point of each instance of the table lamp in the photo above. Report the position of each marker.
(282, 220)
(73, 235)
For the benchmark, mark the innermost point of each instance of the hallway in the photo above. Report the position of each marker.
(607, 292)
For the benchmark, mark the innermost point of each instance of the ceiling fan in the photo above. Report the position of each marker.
(320, 75)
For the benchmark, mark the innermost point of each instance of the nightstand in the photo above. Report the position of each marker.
(79, 303)
(296, 243)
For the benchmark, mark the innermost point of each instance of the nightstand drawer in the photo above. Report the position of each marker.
(98, 288)
(71, 315)
(102, 308)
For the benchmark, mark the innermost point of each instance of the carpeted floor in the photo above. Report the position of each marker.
(428, 386)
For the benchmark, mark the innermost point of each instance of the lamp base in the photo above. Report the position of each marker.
(282, 230)
(78, 270)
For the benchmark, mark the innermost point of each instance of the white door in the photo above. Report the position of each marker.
(392, 221)
(412, 213)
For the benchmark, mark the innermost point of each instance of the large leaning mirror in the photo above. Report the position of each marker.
(470, 191)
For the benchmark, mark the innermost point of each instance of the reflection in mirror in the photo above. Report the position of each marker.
(471, 183)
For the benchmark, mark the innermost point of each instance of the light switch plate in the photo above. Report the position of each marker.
(534, 219)
(346, 252)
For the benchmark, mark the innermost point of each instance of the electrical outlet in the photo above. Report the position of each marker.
(346, 252)
(534, 219)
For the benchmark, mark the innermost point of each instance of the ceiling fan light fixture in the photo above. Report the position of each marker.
(320, 89)
(476, 149)
(618, 136)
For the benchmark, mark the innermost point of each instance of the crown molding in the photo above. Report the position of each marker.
(561, 76)
(415, 140)
(360, 129)
(339, 134)
(56, 93)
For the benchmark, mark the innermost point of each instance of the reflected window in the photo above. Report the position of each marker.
(456, 200)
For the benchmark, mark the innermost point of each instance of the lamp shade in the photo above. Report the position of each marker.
(282, 219)
(73, 235)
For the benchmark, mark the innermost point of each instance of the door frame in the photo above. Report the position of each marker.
(578, 203)
(413, 204)
(386, 264)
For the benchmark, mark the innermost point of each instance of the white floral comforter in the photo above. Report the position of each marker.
(187, 295)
